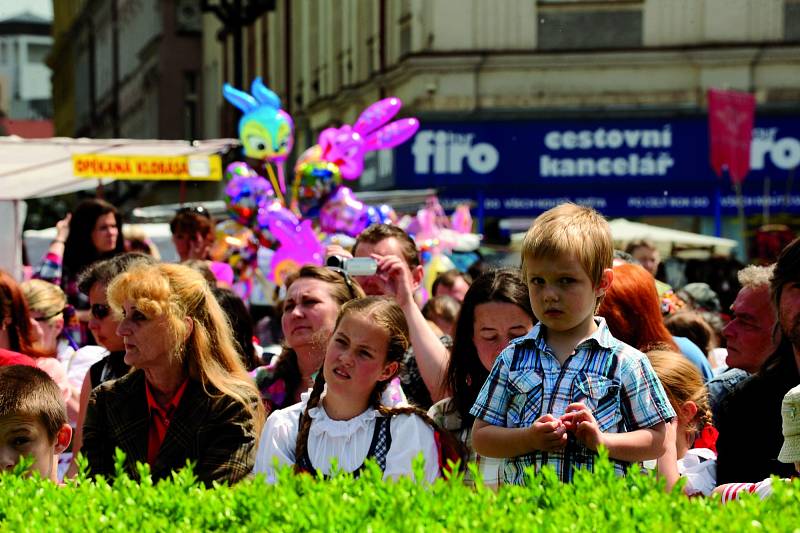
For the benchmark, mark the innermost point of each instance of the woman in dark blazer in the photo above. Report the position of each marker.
(189, 397)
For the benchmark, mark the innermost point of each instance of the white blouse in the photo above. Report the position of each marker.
(346, 440)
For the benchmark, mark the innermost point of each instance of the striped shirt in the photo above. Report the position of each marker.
(615, 381)
(733, 491)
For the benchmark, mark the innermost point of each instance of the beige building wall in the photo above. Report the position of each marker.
(485, 58)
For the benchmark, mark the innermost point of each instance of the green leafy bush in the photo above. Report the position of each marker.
(595, 502)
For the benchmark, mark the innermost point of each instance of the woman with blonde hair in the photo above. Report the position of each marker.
(21, 333)
(188, 397)
(49, 308)
(47, 303)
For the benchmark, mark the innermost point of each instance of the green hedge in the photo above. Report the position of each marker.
(594, 502)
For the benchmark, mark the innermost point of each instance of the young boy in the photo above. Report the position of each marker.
(568, 386)
(33, 420)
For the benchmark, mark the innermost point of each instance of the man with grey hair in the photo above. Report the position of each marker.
(751, 335)
(749, 418)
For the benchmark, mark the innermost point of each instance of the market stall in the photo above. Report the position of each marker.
(36, 168)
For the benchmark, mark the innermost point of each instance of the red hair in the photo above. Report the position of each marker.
(15, 317)
(632, 310)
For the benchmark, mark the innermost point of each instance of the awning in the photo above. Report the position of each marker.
(667, 240)
(32, 168)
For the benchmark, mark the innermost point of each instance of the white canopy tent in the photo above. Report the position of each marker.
(36, 168)
(667, 240)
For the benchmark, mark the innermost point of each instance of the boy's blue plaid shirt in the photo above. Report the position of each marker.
(614, 380)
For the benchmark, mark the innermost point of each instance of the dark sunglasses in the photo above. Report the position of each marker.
(100, 311)
(198, 210)
(347, 279)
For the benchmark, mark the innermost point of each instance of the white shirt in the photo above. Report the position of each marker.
(77, 363)
(346, 440)
(699, 467)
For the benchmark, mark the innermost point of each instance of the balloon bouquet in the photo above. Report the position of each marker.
(268, 217)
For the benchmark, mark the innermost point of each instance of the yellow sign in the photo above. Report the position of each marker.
(131, 167)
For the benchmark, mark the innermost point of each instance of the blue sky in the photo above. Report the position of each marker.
(43, 8)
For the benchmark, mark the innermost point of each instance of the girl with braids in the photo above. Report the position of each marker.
(343, 416)
(691, 439)
(495, 310)
(313, 298)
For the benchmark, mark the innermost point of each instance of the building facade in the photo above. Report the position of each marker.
(131, 69)
(128, 68)
(25, 92)
(526, 103)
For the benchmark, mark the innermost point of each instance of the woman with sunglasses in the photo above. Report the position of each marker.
(48, 307)
(91, 233)
(21, 334)
(103, 325)
(314, 296)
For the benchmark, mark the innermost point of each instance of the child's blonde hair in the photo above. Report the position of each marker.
(683, 383)
(43, 297)
(570, 229)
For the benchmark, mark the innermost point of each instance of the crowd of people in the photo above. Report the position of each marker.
(109, 348)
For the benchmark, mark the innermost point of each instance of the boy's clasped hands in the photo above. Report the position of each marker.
(550, 433)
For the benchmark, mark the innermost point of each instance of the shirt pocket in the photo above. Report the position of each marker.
(527, 394)
(601, 395)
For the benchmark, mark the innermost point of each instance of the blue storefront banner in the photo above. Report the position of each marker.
(623, 167)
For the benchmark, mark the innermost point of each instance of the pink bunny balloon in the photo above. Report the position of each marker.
(299, 246)
(346, 146)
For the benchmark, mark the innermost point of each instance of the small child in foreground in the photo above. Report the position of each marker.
(568, 386)
(790, 451)
(33, 420)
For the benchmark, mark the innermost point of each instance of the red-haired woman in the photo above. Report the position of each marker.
(633, 314)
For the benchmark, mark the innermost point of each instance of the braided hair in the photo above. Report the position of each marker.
(682, 382)
(341, 289)
(386, 314)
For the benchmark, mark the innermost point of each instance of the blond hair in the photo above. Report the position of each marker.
(570, 229)
(683, 383)
(177, 292)
(43, 297)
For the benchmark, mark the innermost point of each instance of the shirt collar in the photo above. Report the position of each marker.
(152, 404)
(602, 335)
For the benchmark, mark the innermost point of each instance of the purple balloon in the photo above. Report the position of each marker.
(272, 211)
(244, 195)
(344, 213)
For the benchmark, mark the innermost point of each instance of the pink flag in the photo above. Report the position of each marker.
(730, 125)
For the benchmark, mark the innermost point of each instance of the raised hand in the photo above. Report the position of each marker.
(396, 277)
(62, 228)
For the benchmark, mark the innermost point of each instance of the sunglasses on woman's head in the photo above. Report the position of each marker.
(100, 311)
(347, 279)
(198, 210)
(48, 317)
